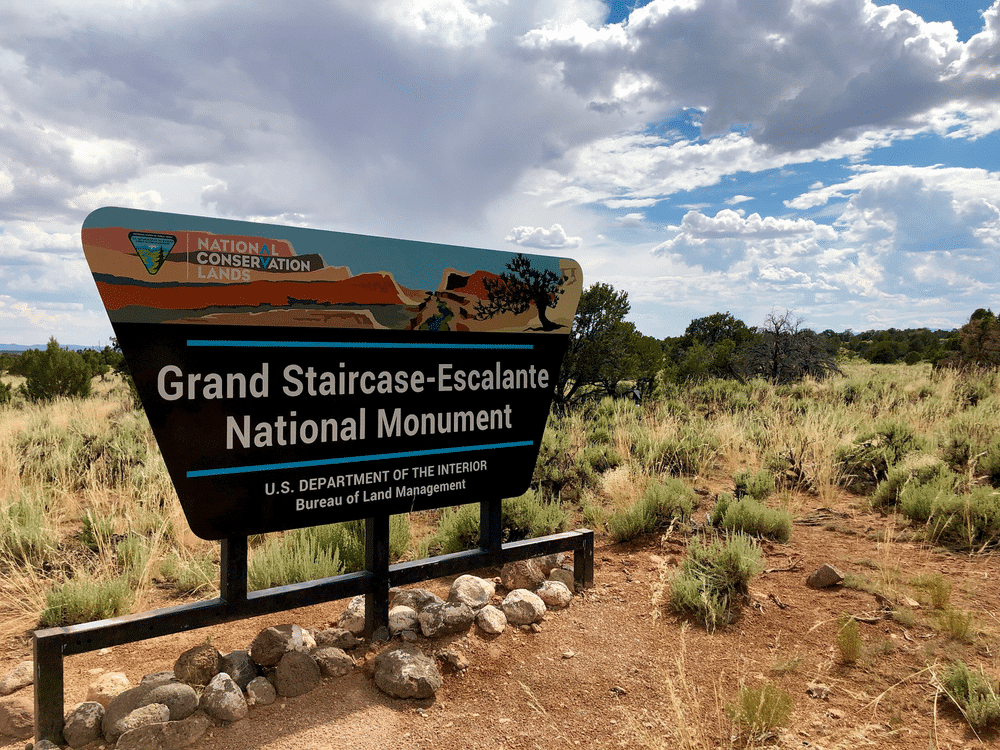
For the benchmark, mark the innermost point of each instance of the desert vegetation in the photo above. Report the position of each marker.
(714, 456)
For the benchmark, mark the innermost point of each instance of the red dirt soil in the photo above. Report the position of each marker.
(604, 672)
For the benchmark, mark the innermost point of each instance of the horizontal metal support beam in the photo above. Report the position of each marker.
(91, 636)
(414, 571)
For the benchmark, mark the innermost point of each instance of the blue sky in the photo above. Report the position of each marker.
(836, 158)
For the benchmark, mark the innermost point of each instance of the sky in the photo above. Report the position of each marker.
(839, 159)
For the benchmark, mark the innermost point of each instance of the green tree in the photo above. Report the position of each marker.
(520, 287)
(95, 361)
(711, 347)
(53, 373)
(976, 344)
(604, 349)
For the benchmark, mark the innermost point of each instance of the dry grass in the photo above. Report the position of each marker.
(793, 431)
(690, 718)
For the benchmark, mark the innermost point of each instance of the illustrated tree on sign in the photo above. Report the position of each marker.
(522, 286)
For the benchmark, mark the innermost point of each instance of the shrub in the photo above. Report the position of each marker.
(968, 521)
(758, 711)
(974, 694)
(85, 600)
(596, 459)
(988, 466)
(887, 494)
(73, 454)
(713, 581)
(722, 503)
(660, 504)
(190, 576)
(96, 531)
(6, 393)
(759, 486)
(918, 499)
(529, 516)
(319, 552)
(54, 373)
(868, 461)
(524, 517)
(555, 466)
(747, 516)
(134, 555)
(298, 555)
(25, 536)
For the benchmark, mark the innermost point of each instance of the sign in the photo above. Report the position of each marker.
(296, 377)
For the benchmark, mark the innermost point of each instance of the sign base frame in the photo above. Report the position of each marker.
(51, 645)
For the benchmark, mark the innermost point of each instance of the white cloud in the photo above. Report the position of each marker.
(454, 120)
(631, 220)
(803, 73)
(547, 239)
(449, 23)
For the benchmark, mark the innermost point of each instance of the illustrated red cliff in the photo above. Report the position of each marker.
(294, 376)
(265, 278)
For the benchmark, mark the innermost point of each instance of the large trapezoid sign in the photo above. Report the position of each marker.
(295, 377)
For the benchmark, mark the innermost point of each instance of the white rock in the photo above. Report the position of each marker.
(472, 590)
(403, 618)
(353, 618)
(523, 607)
(491, 620)
(20, 676)
(555, 594)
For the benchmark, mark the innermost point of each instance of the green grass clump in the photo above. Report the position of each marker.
(748, 516)
(525, 517)
(596, 459)
(886, 496)
(758, 486)
(556, 466)
(974, 694)
(134, 556)
(758, 711)
(713, 581)
(849, 643)
(85, 600)
(298, 555)
(956, 624)
(683, 454)
(531, 515)
(966, 521)
(195, 575)
(26, 537)
(938, 588)
(661, 504)
(319, 552)
(868, 461)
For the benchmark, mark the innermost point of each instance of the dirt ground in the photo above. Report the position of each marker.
(607, 672)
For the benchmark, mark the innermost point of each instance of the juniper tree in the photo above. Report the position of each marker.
(520, 287)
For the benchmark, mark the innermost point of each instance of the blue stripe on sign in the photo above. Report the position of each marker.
(348, 345)
(353, 459)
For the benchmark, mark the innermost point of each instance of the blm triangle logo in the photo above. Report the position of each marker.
(152, 248)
